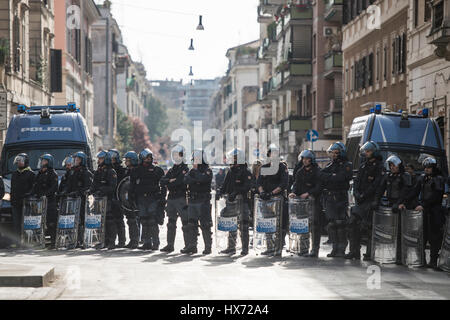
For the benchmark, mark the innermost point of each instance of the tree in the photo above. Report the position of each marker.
(140, 137)
(157, 119)
(124, 132)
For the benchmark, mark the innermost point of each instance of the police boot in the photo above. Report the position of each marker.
(133, 230)
(132, 244)
(244, 239)
(192, 230)
(355, 247)
(146, 236)
(270, 244)
(368, 254)
(316, 235)
(332, 235)
(121, 235)
(154, 229)
(185, 230)
(231, 249)
(171, 233)
(111, 233)
(341, 241)
(207, 239)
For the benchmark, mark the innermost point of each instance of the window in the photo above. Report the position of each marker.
(346, 81)
(16, 45)
(370, 69)
(314, 103)
(385, 68)
(427, 16)
(314, 46)
(403, 53)
(352, 78)
(235, 107)
(378, 62)
(416, 13)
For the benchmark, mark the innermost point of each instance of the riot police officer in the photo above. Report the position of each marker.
(116, 207)
(22, 182)
(275, 184)
(365, 186)
(238, 183)
(131, 162)
(46, 184)
(399, 191)
(307, 185)
(145, 187)
(104, 184)
(335, 179)
(67, 164)
(198, 181)
(77, 185)
(176, 203)
(431, 186)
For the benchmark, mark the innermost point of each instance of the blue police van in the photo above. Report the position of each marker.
(410, 137)
(58, 130)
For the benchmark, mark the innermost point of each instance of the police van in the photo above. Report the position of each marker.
(57, 130)
(411, 137)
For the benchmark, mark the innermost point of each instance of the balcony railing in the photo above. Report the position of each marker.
(333, 60)
(295, 123)
(333, 121)
(333, 10)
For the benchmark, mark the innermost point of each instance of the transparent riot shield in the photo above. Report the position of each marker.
(122, 194)
(412, 238)
(94, 226)
(34, 222)
(444, 257)
(300, 218)
(228, 214)
(267, 232)
(68, 223)
(384, 235)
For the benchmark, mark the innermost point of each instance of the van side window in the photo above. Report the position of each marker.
(353, 151)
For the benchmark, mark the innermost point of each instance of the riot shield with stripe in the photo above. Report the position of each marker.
(412, 238)
(267, 232)
(228, 215)
(300, 218)
(384, 235)
(68, 223)
(94, 224)
(34, 222)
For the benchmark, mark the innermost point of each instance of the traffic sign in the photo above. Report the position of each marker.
(312, 136)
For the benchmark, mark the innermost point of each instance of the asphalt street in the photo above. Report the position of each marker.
(125, 274)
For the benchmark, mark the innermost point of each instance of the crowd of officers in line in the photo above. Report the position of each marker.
(189, 196)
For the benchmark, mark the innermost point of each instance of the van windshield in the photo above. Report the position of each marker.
(59, 155)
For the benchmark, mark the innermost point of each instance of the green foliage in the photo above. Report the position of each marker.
(157, 119)
(124, 132)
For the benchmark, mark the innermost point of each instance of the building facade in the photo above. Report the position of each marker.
(26, 42)
(75, 42)
(197, 100)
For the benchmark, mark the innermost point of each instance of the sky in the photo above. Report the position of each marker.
(158, 33)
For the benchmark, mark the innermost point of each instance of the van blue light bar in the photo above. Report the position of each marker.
(71, 107)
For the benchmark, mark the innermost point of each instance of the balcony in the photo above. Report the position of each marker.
(440, 28)
(263, 91)
(333, 10)
(296, 15)
(333, 64)
(270, 6)
(295, 74)
(333, 124)
(295, 123)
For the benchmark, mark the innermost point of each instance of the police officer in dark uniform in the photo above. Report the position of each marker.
(176, 203)
(104, 184)
(198, 180)
(238, 181)
(335, 178)
(46, 184)
(22, 182)
(399, 192)
(275, 184)
(144, 185)
(116, 207)
(78, 185)
(431, 186)
(67, 164)
(307, 185)
(365, 186)
(131, 162)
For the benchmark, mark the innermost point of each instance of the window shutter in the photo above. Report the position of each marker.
(55, 70)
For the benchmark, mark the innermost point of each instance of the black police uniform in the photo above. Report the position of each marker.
(238, 181)
(117, 208)
(46, 184)
(432, 188)
(199, 207)
(307, 180)
(78, 184)
(176, 203)
(144, 185)
(365, 186)
(104, 184)
(335, 178)
(399, 190)
(132, 219)
(22, 182)
(269, 183)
